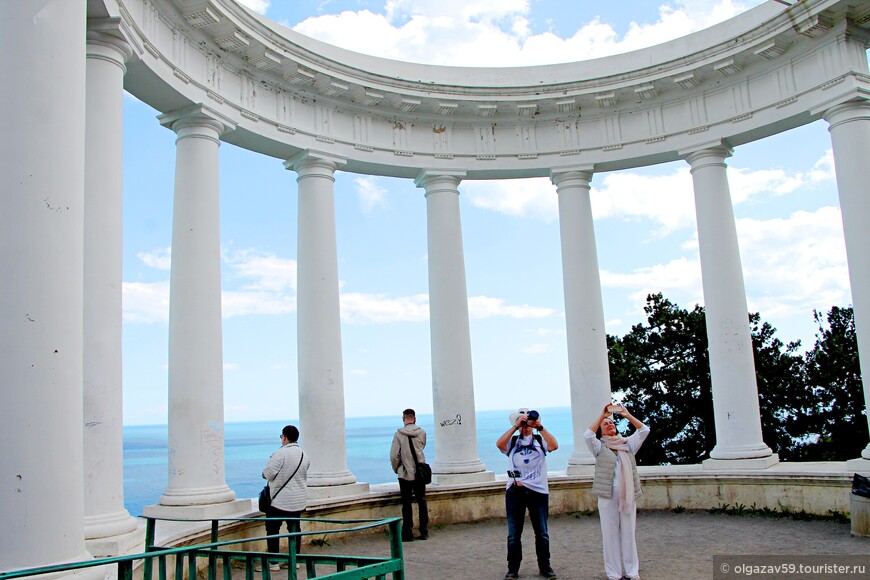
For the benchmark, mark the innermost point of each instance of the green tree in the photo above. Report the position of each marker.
(784, 398)
(836, 427)
(662, 369)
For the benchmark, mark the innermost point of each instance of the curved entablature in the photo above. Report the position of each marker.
(767, 70)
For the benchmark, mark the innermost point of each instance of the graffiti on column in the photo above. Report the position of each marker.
(449, 422)
(212, 439)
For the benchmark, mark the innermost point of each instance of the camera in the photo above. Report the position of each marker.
(530, 416)
(514, 474)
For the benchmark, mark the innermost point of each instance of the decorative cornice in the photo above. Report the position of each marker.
(296, 92)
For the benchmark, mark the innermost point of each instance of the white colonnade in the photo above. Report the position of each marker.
(42, 167)
(457, 460)
(321, 371)
(732, 366)
(849, 124)
(197, 485)
(219, 76)
(588, 370)
(108, 525)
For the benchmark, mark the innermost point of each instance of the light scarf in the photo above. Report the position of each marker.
(619, 445)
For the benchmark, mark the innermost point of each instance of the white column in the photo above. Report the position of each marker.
(320, 366)
(732, 366)
(105, 516)
(42, 177)
(850, 136)
(588, 369)
(196, 409)
(456, 460)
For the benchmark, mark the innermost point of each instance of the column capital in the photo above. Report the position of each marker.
(311, 161)
(430, 179)
(106, 40)
(578, 176)
(846, 112)
(712, 153)
(194, 117)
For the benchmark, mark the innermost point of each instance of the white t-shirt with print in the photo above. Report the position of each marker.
(527, 457)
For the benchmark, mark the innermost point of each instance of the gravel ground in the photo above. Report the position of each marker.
(669, 545)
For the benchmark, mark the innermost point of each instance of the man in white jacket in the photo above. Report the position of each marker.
(403, 463)
(287, 473)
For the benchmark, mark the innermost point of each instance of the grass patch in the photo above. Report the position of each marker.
(740, 509)
(320, 542)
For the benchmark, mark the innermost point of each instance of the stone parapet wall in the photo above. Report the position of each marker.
(820, 490)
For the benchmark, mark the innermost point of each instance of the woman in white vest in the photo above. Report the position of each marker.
(617, 486)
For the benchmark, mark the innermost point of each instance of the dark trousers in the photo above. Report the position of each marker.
(517, 500)
(274, 527)
(411, 491)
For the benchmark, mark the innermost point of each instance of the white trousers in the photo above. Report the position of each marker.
(617, 537)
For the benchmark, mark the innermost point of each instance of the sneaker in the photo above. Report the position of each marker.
(407, 538)
(511, 576)
(258, 567)
(548, 574)
(424, 536)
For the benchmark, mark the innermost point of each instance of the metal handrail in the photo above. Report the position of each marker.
(348, 567)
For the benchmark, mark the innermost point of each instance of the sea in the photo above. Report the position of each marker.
(248, 445)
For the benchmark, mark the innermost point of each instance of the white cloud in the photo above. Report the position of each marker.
(231, 366)
(371, 195)
(535, 197)
(266, 271)
(358, 372)
(248, 302)
(160, 258)
(681, 276)
(462, 9)
(488, 307)
(258, 6)
(669, 200)
(360, 308)
(145, 303)
(496, 33)
(666, 199)
(380, 309)
(791, 266)
(536, 349)
(795, 264)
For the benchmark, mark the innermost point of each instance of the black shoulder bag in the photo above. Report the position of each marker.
(265, 500)
(423, 472)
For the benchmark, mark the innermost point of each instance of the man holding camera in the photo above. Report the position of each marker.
(527, 488)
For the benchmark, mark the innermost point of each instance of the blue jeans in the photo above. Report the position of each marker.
(517, 500)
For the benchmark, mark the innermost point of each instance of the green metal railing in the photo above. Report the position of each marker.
(221, 555)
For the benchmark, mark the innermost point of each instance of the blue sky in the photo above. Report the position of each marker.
(783, 190)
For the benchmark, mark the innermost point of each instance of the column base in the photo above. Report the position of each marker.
(580, 469)
(119, 545)
(207, 511)
(859, 465)
(109, 525)
(738, 464)
(318, 492)
(460, 478)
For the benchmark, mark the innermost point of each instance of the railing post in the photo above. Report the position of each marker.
(147, 568)
(396, 548)
(125, 570)
(291, 550)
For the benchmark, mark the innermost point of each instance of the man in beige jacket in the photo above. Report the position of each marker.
(407, 441)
